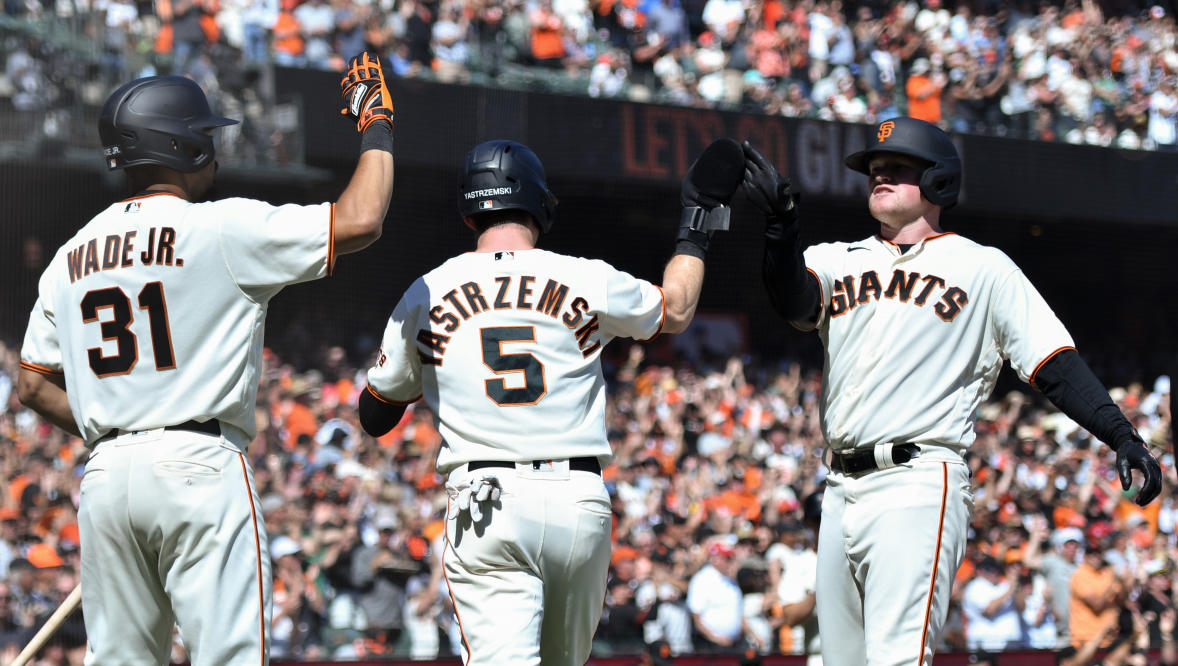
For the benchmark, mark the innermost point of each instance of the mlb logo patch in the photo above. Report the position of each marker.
(486, 204)
(132, 207)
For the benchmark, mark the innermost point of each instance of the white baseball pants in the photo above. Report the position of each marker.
(528, 580)
(172, 531)
(889, 546)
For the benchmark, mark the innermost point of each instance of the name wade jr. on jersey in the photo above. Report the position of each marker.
(467, 300)
(118, 251)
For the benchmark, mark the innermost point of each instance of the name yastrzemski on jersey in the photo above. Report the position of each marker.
(910, 287)
(119, 251)
(507, 292)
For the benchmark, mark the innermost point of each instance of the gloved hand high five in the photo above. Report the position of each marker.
(483, 489)
(365, 95)
(767, 190)
(709, 185)
(1132, 454)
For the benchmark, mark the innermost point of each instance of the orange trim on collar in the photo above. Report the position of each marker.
(152, 194)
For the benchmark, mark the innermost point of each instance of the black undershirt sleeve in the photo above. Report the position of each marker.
(792, 290)
(1070, 385)
(377, 417)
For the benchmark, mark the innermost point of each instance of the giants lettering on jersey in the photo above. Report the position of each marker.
(118, 251)
(911, 287)
(470, 299)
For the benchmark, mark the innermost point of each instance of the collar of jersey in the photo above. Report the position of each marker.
(147, 194)
(894, 246)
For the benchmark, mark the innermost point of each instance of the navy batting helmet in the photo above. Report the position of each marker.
(941, 181)
(161, 120)
(505, 175)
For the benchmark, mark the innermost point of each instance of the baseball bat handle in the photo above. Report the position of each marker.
(50, 627)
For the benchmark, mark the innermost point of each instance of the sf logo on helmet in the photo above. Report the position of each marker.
(885, 130)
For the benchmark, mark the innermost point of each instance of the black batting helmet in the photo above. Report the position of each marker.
(941, 181)
(159, 120)
(505, 175)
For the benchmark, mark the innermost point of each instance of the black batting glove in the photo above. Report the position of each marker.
(767, 190)
(690, 195)
(1132, 454)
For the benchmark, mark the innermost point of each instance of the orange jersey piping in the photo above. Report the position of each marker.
(33, 367)
(387, 401)
(932, 585)
(1044, 362)
(662, 315)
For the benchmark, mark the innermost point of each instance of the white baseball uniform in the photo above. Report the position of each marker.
(505, 349)
(154, 311)
(914, 343)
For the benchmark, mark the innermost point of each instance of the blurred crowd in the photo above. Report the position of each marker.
(716, 486)
(1100, 72)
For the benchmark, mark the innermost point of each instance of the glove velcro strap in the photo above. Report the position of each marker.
(705, 219)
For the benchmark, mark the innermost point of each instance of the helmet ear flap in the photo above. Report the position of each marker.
(940, 184)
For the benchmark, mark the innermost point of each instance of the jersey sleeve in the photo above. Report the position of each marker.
(818, 266)
(396, 376)
(1028, 332)
(634, 307)
(269, 246)
(41, 349)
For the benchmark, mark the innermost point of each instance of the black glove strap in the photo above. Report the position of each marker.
(705, 219)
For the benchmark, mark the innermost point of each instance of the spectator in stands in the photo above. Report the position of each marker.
(991, 619)
(258, 18)
(316, 24)
(1096, 593)
(1163, 113)
(923, 89)
(715, 600)
(289, 46)
(547, 35)
(451, 51)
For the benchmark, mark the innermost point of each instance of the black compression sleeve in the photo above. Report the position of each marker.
(792, 290)
(377, 416)
(1070, 385)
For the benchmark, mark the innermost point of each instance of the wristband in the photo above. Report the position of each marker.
(378, 136)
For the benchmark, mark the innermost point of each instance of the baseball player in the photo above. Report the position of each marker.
(146, 341)
(916, 323)
(504, 344)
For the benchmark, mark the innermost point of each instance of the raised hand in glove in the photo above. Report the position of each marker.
(767, 190)
(1133, 455)
(483, 489)
(366, 97)
(708, 187)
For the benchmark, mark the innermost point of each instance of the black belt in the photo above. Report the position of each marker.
(583, 464)
(864, 461)
(210, 427)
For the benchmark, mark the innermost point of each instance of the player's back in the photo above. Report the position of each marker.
(160, 308)
(509, 345)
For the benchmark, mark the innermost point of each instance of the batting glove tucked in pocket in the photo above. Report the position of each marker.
(483, 489)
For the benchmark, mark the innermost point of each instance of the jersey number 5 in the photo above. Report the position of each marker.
(493, 357)
(117, 328)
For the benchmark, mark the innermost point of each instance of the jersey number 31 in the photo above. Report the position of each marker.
(117, 326)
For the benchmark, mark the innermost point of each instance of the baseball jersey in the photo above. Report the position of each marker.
(155, 309)
(505, 349)
(939, 319)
